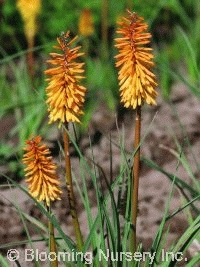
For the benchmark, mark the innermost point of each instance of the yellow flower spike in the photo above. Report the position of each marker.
(136, 79)
(40, 172)
(29, 10)
(65, 96)
(86, 23)
(137, 85)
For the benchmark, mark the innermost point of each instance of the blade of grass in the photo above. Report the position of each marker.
(184, 242)
(194, 261)
(182, 208)
(156, 243)
(193, 67)
(4, 263)
(178, 181)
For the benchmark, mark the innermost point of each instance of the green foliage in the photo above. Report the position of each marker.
(22, 101)
(179, 57)
(109, 226)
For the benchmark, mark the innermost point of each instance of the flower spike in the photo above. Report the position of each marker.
(136, 80)
(29, 10)
(40, 172)
(86, 23)
(65, 96)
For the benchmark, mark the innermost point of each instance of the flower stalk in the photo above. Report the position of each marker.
(70, 190)
(65, 98)
(52, 242)
(135, 178)
(137, 85)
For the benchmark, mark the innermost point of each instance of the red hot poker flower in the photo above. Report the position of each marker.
(40, 171)
(136, 79)
(65, 96)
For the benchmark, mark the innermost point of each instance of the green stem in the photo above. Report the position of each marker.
(30, 60)
(86, 46)
(70, 191)
(104, 29)
(52, 243)
(135, 186)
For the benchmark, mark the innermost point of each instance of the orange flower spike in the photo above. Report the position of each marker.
(86, 23)
(136, 79)
(65, 96)
(40, 172)
(29, 10)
